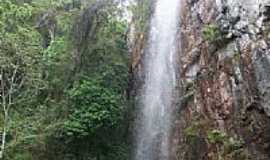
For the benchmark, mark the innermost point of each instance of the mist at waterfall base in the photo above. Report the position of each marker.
(153, 126)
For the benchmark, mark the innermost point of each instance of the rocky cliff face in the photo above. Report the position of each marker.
(224, 65)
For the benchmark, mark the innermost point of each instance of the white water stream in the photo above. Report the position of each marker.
(153, 133)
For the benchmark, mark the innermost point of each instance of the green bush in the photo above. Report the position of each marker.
(95, 108)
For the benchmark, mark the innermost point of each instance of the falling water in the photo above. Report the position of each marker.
(152, 140)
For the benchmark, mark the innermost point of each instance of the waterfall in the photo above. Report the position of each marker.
(153, 132)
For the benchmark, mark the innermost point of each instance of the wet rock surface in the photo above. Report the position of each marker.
(225, 81)
(231, 83)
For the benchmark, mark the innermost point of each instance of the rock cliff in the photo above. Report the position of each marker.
(224, 80)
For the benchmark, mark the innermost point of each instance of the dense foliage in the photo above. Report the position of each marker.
(96, 108)
(63, 88)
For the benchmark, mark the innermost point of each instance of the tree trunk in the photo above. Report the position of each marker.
(3, 141)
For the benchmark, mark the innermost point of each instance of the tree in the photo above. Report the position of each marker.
(19, 63)
(39, 99)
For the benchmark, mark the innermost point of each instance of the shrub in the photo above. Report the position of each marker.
(94, 108)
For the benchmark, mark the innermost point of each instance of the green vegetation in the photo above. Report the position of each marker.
(95, 108)
(211, 33)
(192, 130)
(227, 146)
(142, 12)
(216, 136)
(62, 87)
(219, 137)
(224, 145)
